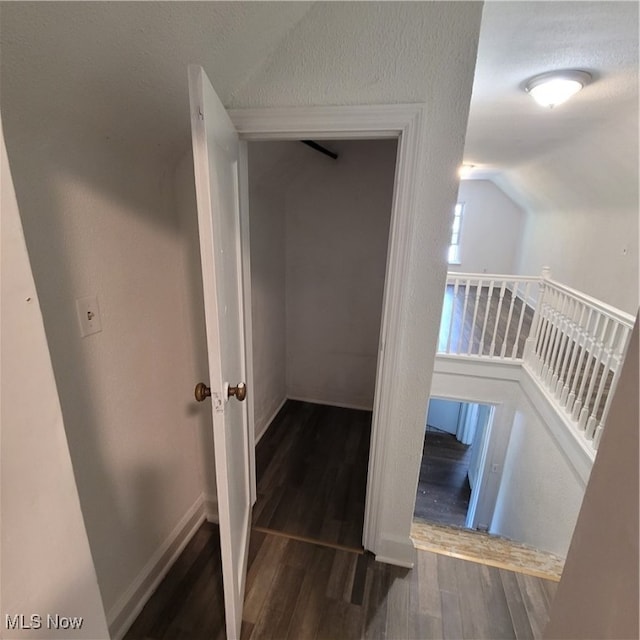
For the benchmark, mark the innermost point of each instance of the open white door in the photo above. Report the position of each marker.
(215, 153)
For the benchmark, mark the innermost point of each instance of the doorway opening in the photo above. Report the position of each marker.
(319, 229)
(453, 466)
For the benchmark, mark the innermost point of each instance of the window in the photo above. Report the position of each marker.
(454, 246)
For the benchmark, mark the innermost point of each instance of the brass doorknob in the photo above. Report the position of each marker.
(202, 391)
(239, 391)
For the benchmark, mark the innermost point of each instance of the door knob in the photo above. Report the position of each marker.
(239, 391)
(202, 392)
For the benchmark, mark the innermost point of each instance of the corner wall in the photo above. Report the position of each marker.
(46, 568)
(535, 492)
(492, 226)
(337, 230)
(269, 174)
(349, 53)
(540, 492)
(582, 221)
(99, 219)
(598, 594)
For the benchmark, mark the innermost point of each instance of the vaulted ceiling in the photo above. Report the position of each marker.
(585, 150)
(102, 63)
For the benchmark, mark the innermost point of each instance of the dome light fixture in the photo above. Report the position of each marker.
(465, 170)
(555, 87)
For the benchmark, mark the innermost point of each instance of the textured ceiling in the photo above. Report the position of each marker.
(521, 39)
(119, 68)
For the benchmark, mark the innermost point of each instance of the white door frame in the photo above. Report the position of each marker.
(404, 122)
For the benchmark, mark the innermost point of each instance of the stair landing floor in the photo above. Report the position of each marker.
(483, 548)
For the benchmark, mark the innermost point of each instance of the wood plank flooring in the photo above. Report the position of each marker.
(443, 487)
(311, 469)
(300, 590)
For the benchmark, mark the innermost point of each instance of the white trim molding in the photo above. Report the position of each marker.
(406, 122)
(124, 612)
(267, 424)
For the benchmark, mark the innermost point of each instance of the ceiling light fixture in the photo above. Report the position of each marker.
(465, 170)
(555, 87)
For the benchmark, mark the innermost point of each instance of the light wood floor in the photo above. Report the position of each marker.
(301, 590)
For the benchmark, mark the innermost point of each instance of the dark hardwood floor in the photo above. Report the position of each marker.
(311, 469)
(301, 590)
(443, 486)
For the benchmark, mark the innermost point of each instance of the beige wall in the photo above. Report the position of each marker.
(347, 53)
(338, 216)
(491, 229)
(269, 173)
(46, 566)
(99, 219)
(586, 229)
(319, 236)
(598, 594)
(540, 491)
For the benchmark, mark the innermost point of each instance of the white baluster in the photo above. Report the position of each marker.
(475, 313)
(575, 337)
(467, 288)
(514, 294)
(492, 349)
(580, 410)
(572, 402)
(486, 317)
(526, 353)
(552, 375)
(453, 313)
(531, 345)
(565, 347)
(598, 364)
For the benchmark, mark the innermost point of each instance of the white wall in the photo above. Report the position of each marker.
(46, 567)
(602, 564)
(99, 219)
(338, 216)
(492, 226)
(319, 235)
(535, 494)
(268, 177)
(584, 225)
(381, 53)
(339, 53)
(540, 493)
(444, 415)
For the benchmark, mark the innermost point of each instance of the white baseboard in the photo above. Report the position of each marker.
(396, 550)
(124, 612)
(342, 405)
(267, 424)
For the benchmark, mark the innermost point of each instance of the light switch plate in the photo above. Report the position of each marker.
(88, 315)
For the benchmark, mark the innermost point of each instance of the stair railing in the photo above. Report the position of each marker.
(571, 343)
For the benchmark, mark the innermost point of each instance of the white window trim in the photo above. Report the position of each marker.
(453, 255)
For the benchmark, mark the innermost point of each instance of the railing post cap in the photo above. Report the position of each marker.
(546, 273)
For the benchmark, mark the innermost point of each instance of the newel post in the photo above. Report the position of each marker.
(534, 332)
